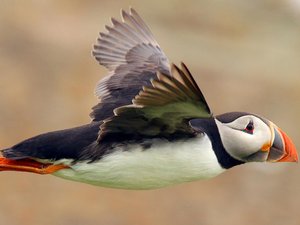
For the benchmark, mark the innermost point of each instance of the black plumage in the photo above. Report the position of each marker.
(209, 127)
(63, 144)
(141, 99)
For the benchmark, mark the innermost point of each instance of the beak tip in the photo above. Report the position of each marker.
(291, 154)
(296, 158)
(282, 148)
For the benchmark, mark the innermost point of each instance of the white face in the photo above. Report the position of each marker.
(245, 138)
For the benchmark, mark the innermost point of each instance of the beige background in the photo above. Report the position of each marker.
(245, 56)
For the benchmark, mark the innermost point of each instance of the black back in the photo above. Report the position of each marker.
(63, 144)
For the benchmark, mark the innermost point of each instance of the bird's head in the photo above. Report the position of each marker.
(250, 138)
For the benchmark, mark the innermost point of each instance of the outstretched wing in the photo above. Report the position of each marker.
(162, 110)
(132, 56)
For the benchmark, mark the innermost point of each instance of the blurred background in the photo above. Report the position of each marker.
(245, 56)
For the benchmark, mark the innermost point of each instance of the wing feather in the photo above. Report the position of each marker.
(162, 110)
(131, 54)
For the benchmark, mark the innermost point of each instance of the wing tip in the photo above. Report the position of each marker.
(132, 10)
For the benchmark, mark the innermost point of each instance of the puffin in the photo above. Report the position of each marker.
(152, 127)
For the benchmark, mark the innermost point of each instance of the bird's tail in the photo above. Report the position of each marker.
(29, 165)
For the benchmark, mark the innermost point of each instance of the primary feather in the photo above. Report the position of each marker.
(132, 56)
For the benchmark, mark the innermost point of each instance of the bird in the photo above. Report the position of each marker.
(152, 126)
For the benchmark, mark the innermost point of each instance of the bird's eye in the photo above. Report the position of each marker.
(249, 128)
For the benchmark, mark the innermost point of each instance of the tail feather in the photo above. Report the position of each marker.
(9, 153)
(29, 165)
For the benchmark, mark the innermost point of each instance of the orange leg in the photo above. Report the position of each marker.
(29, 165)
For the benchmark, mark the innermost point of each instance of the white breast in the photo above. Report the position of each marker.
(164, 164)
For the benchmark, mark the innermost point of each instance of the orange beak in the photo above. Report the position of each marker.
(282, 149)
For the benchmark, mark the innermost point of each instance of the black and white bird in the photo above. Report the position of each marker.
(152, 127)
